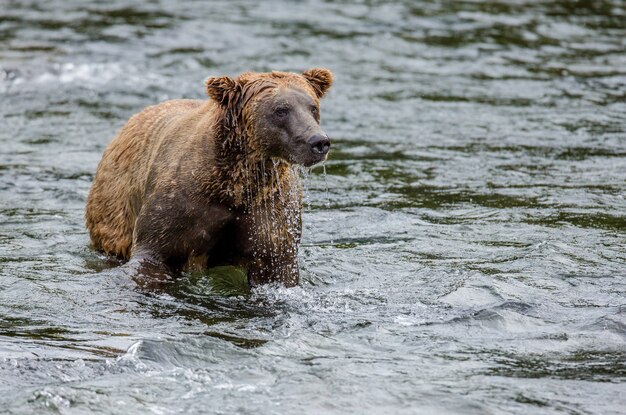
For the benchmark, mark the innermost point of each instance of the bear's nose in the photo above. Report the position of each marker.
(320, 144)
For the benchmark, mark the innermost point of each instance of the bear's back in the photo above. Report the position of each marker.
(115, 198)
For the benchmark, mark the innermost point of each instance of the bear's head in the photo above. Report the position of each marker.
(276, 112)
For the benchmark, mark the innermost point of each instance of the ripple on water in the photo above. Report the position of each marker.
(463, 253)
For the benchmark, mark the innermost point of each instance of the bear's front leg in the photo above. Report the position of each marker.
(149, 272)
(268, 246)
(263, 270)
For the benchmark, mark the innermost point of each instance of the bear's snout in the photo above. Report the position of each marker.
(320, 144)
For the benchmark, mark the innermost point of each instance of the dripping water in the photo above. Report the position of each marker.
(326, 195)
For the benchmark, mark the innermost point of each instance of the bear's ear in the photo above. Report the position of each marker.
(220, 88)
(320, 79)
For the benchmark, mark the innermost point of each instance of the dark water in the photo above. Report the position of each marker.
(469, 255)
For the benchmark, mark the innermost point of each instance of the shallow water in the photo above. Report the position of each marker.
(469, 255)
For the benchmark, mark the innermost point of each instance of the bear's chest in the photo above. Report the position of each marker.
(272, 225)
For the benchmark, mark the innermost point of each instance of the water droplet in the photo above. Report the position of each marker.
(325, 185)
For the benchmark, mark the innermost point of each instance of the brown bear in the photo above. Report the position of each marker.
(192, 184)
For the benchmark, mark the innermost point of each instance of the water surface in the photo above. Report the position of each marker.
(466, 252)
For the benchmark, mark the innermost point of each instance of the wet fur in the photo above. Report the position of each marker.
(188, 183)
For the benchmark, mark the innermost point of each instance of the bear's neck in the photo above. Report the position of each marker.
(245, 177)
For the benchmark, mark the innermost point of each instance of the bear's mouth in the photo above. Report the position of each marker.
(307, 155)
(315, 159)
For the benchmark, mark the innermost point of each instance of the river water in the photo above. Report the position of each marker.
(465, 253)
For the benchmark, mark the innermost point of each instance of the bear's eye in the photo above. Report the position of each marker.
(281, 111)
(314, 110)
